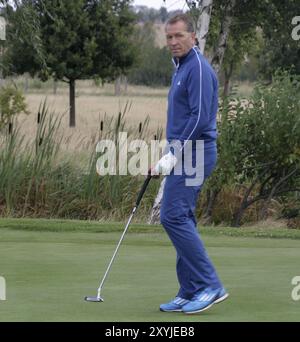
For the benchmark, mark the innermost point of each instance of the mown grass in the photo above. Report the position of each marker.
(54, 225)
(50, 266)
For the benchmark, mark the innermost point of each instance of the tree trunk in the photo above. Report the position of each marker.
(202, 23)
(264, 210)
(1, 69)
(211, 200)
(220, 48)
(228, 75)
(72, 103)
(125, 80)
(26, 83)
(236, 221)
(54, 87)
(237, 217)
(118, 86)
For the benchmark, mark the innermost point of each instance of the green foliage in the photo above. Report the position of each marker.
(12, 102)
(265, 129)
(82, 41)
(70, 40)
(271, 131)
(154, 66)
(269, 51)
(155, 70)
(243, 39)
(249, 69)
(280, 50)
(259, 142)
(24, 50)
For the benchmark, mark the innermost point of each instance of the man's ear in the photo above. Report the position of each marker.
(193, 36)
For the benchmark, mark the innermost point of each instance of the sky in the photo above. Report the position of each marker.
(169, 4)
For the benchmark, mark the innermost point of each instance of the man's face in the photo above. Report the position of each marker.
(179, 40)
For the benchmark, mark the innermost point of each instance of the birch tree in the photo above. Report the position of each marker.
(201, 14)
(220, 47)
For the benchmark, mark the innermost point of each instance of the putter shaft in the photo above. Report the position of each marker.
(139, 198)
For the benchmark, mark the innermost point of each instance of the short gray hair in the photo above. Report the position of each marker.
(182, 17)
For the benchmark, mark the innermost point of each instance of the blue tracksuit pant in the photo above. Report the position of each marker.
(195, 271)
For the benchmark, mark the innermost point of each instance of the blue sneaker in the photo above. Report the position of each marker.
(204, 300)
(222, 295)
(174, 305)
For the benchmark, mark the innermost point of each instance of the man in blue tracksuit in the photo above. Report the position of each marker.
(192, 109)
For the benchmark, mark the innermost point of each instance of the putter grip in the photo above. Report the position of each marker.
(141, 194)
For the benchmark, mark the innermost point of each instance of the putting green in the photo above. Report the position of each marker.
(48, 273)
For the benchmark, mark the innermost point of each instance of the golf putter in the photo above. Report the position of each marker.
(98, 298)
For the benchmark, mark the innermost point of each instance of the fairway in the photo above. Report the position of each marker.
(49, 272)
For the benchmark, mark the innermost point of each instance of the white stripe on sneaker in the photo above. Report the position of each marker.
(180, 301)
(206, 297)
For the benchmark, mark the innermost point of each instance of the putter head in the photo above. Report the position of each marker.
(94, 299)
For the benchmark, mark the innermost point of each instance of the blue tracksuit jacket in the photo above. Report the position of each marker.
(193, 100)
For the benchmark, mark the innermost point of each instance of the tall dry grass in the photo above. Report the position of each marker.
(38, 178)
(93, 103)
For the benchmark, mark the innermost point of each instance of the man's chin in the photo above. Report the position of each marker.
(177, 54)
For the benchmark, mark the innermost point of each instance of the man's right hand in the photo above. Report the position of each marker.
(164, 166)
(153, 173)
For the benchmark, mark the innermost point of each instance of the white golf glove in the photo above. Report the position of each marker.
(166, 164)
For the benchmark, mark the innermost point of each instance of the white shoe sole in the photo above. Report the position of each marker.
(179, 310)
(219, 300)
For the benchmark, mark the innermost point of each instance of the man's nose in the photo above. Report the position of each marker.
(173, 41)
